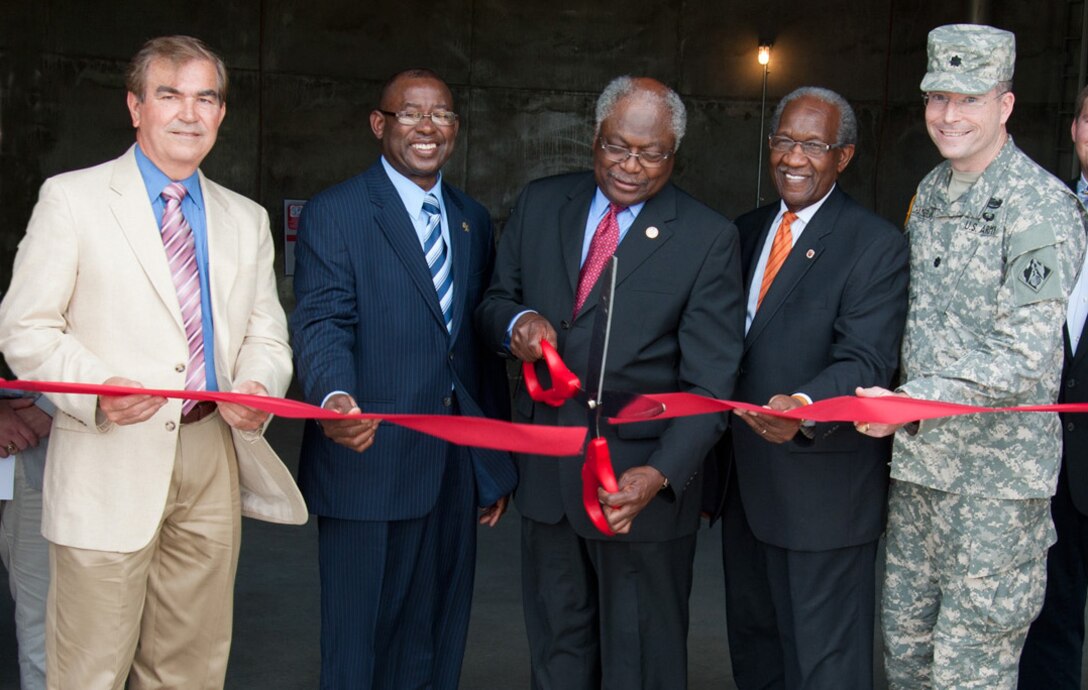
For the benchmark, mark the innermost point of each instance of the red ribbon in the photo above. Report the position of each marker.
(466, 431)
(889, 409)
(564, 440)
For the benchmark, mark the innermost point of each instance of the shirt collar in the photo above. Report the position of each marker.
(600, 203)
(156, 180)
(806, 214)
(411, 194)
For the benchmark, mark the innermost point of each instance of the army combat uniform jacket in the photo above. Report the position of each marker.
(990, 274)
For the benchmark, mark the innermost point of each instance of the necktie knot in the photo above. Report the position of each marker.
(175, 191)
(430, 205)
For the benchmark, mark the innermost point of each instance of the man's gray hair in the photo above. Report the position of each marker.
(622, 87)
(848, 122)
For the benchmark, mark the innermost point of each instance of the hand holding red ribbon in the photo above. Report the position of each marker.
(466, 431)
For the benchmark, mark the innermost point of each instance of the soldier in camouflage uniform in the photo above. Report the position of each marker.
(996, 245)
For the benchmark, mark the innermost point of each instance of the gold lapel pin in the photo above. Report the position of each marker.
(464, 225)
(652, 232)
(809, 254)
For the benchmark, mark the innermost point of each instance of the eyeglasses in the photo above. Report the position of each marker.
(939, 101)
(442, 118)
(812, 149)
(648, 159)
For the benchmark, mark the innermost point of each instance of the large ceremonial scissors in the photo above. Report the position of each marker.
(565, 385)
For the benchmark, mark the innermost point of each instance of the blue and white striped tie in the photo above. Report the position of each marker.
(438, 259)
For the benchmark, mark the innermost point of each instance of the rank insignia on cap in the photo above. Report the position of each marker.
(955, 61)
(1035, 275)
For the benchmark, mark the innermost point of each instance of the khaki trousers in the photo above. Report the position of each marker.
(165, 611)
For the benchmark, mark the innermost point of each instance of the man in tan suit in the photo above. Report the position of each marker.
(143, 495)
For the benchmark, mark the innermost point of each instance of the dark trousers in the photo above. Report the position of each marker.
(796, 619)
(605, 614)
(1051, 659)
(395, 596)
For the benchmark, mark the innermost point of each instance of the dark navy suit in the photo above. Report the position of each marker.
(802, 518)
(1052, 655)
(396, 523)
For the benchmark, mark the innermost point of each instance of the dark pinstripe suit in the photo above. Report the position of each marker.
(396, 522)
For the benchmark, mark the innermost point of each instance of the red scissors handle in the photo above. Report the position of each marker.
(564, 382)
(597, 471)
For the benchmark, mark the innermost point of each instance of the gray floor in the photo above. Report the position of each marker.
(276, 609)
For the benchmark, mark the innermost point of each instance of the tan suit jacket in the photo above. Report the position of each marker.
(91, 297)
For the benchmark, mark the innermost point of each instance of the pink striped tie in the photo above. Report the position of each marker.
(177, 239)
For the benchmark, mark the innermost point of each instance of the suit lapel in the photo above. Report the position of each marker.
(132, 210)
(393, 220)
(572, 225)
(751, 246)
(1082, 344)
(802, 257)
(461, 241)
(223, 255)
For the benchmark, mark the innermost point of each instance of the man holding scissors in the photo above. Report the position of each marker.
(600, 611)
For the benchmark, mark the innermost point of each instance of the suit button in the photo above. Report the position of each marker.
(179, 367)
(447, 401)
(451, 356)
(1071, 383)
(170, 426)
(565, 325)
(1070, 427)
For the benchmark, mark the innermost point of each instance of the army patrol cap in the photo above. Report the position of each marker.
(968, 58)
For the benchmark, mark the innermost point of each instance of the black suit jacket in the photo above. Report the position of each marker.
(831, 321)
(1075, 426)
(677, 325)
(368, 322)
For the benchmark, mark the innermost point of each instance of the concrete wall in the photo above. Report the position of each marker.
(525, 74)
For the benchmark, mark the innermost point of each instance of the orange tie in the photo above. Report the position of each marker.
(780, 249)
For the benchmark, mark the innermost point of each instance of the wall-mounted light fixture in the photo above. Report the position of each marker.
(764, 58)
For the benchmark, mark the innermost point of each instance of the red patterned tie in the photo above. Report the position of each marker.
(780, 249)
(601, 249)
(177, 239)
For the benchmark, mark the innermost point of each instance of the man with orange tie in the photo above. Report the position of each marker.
(826, 286)
(142, 272)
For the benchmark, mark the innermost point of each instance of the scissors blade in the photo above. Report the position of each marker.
(602, 328)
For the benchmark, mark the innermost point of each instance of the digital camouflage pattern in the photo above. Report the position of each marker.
(989, 277)
(968, 58)
(969, 520)
(965, 577)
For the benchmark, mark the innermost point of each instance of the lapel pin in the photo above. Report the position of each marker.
(464, 225)
(652, 232)
(809, 254)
